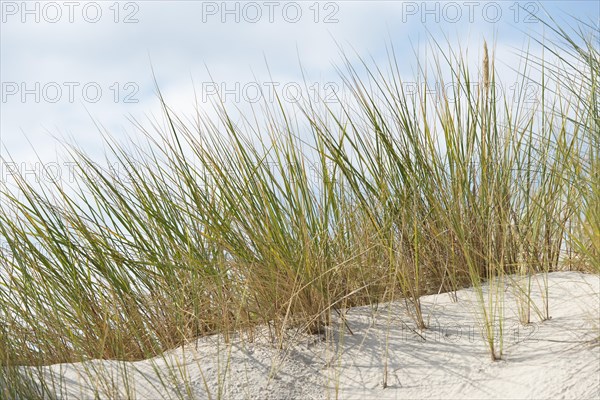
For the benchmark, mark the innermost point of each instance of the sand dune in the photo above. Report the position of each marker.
(557, 358)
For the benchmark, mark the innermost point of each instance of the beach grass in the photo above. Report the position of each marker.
(221, 226)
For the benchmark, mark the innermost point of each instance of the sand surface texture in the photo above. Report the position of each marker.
(557, 358)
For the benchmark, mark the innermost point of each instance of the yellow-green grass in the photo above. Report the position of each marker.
(218, 226)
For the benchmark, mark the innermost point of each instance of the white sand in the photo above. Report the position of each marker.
(556, 358)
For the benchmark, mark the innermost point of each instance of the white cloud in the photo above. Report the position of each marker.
(182, 39)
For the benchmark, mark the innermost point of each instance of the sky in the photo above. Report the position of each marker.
(67, 65)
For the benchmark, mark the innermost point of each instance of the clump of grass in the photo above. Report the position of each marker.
(443, 184)
(577, 74)
(218, 227)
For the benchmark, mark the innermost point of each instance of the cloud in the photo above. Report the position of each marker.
(183, 40)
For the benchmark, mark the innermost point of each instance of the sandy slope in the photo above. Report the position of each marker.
(543, 360)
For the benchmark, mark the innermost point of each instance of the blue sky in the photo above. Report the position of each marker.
(64, 61)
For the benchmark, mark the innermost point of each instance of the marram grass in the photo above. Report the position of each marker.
(219, 227)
